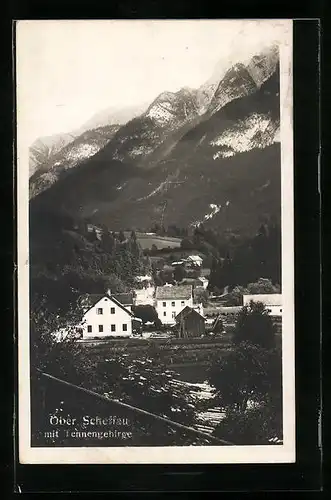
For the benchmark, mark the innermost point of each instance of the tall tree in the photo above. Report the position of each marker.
(179, 273)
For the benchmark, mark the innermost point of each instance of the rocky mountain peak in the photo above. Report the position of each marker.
(263, 65)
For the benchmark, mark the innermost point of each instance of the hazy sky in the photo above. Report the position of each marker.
(69, 70)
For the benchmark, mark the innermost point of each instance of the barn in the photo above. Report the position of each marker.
(189, 323)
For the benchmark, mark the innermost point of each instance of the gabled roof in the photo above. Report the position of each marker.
(124, 298)
(174, 292)
(186, 312)
(89, 300)
(194, 257)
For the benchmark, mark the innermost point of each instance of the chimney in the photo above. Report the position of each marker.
(108, 292)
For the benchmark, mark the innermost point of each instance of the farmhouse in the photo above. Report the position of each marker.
(189, 323)
(272, 302)
(170, 300)
(106, 315)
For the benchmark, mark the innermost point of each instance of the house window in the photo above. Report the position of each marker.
(280, 310)
(172, 304)
(165, 313)
(113, 328)
(100, 328)
(125, 327)
(173, 314)
(112, 310)
(89, 328)
(99, 310)
(164, 304)
(182, 303)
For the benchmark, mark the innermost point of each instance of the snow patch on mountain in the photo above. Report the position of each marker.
(82, 151)
(214, 210)
(223, 154)
(256, 131)
(140, 150)
(161, 113)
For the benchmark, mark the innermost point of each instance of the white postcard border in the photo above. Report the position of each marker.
(158, 455)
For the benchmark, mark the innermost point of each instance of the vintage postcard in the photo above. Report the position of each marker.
(155, 241)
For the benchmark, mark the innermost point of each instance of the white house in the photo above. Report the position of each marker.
(170, 300)
(195, 260)
(105, 315)
(272, 302)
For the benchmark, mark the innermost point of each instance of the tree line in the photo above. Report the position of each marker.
(67, 261)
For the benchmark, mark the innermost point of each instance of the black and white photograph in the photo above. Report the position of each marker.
(155, 241)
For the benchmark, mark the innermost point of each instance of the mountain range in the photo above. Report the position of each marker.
(44, 151)
(208, 155)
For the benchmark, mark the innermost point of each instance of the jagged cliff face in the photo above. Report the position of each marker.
(225, 172)
(141, 137)
(69, 156)
(210, 154)
(174, 108)
(85, 141)
(44, 149)
(263, 65)
(236, 83)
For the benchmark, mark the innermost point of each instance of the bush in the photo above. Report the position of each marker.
(146, 313)
(247, 374)
(254, 325)
(255, 426)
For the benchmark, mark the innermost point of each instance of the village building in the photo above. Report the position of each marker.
(272, 302)
(170, 300)
(199, 282)
(144, 281)
(178, 263)
(144, 296)
(194, 260)
(106, 315)
(190, 323)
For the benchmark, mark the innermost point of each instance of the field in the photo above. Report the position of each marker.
(148, 240)
(175, 353)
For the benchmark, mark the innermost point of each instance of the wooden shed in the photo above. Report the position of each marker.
(189, 323)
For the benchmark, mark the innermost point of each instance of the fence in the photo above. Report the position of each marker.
(66, 415)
